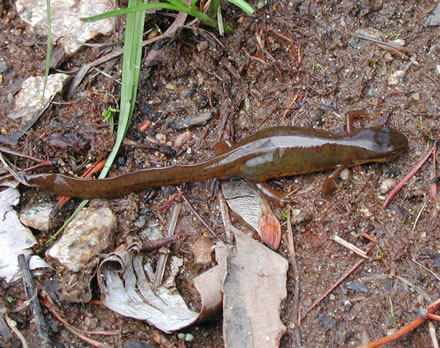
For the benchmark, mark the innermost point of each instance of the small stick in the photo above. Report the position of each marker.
(161, 263)
(202, 220)
(225, 216)
(350, 246)
(339, 281)
(31, 292)
(419, 214)
(407, 177)
(52, 309)
(171, 201)
(369, 237)
(156, 244)
(19, 154)
(296, 52)
(433, 335)
(385, 45)
(432, 308)
(426, 269)
(30, 169)
(13, 326)
(434, 172)
(291, 105)
(295, 269)
(433, 316)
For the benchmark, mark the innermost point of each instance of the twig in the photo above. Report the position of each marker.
(161, 263)
(13, 326)
(291, 105)
(31, 292)
(407, 177)
(14, 174)
(295, 269)
(52, 309)
(156, 244)
(26, 170)
(350, 246)
(202, 220)
(433, 335)
(171, 201)
(225, 216)
(178, 22)
(432, 308)
(434, 172)
(433, 316)
(385, 45)
(419, 214)
(426, 269)
(415, 287)
(296, 53)
(339, 281)
(19, 154)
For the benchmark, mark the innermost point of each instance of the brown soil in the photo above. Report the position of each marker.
(245, 88)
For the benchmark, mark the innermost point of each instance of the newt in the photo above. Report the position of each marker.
(269, 153)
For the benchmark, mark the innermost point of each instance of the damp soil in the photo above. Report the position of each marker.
(292, 63)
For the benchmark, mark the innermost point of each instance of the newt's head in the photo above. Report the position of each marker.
(382, 144)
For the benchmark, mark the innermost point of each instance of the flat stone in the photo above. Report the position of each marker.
(28, 100)
(37, 216)
(202, 250)
(67, 27)
(88, 235)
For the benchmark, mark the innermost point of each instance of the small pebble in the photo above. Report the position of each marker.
(398, 42)
(3, 66)
(387, 185)
(298, 216)
(37, 216)
(345, 174)
(388, 57)
(395, 78)
(415, 96)
(202, 250)
(182, 139)
(161, 138)
(366, 212)
(170, 86)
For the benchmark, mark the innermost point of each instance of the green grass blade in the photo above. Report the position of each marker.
(49, 47)
(131, 10)
(193, 11)
(243, 5)
(130, 77)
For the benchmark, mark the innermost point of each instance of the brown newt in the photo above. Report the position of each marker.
(269, 153)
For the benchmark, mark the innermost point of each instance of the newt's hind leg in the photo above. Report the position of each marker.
(274, 195)
(327, 187)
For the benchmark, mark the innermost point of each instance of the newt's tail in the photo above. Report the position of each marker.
(131, 182)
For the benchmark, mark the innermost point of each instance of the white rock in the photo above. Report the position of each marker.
(37, 216)
(28, 99)
(15, 238)
(67, 28)
(387, 185)
(395, 78)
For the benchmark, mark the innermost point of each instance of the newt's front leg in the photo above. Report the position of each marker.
(272, 194)
(327, 187)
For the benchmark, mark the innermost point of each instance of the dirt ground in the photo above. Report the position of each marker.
(292, 63)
